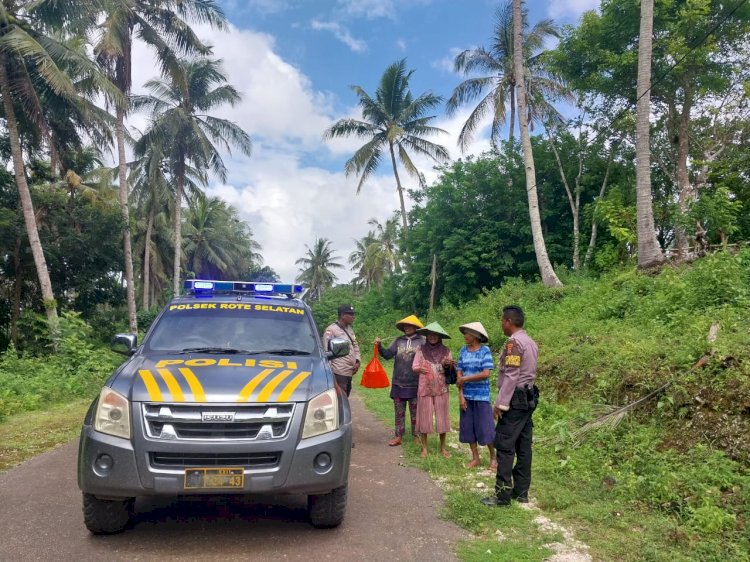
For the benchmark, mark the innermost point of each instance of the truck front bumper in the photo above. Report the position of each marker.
(110, 467)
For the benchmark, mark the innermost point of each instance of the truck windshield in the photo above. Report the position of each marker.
(236, 327)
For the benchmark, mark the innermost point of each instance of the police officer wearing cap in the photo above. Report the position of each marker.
(516, 401)
(345, 367)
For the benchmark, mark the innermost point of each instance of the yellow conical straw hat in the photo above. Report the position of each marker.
(411, 321)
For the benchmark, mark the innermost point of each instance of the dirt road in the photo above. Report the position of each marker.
(391, 515)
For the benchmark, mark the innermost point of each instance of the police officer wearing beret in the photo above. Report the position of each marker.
(516, 401)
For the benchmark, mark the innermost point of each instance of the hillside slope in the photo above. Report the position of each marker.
(670, 481)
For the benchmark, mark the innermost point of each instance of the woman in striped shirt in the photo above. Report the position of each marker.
(476, 425)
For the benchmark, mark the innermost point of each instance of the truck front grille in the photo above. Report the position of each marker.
(191, 460)
(217, 422)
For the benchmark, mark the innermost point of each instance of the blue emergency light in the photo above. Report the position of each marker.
(206, 288)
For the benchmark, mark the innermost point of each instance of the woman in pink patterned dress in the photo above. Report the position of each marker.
(430, 362)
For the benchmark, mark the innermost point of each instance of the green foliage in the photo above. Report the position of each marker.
(106, 321)
(719, 212)
(475, 219)
(77, 369)
(146, 318)
(671, 481)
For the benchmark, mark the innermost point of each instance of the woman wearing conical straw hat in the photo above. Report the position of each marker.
(476, 422)
(430, 362)
(404, 382)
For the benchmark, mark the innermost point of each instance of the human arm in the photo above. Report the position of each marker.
(419, 365)
(510, 369)
(390, 351)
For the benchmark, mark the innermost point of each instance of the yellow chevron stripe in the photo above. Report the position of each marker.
(174, 387)
(265, 394)
(153, 388)
(194, 383)
(254, 382)
(292, 386)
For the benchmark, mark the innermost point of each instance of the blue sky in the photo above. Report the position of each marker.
(293, 61)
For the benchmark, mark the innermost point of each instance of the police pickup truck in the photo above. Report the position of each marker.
(230, 392)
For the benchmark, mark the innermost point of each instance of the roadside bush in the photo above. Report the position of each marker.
(77, 369)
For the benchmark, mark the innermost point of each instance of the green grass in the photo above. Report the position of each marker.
(27, 434)
(671, 482)
(520, 537)
(588, 490)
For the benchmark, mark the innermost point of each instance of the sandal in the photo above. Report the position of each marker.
(394, 442)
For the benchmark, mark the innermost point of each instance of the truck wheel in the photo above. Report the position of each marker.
(327, 510)
(105, 517)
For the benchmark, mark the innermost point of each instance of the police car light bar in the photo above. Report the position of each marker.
(206, 287)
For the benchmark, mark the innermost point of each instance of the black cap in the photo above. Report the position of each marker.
(346, 309)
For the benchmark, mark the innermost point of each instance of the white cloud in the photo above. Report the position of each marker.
(340, 33)
(446, 63)
(279, 104)
(373, 9)
(287, 200)
(370, 9)
(288, 205)
(401, 45)
(570, 9)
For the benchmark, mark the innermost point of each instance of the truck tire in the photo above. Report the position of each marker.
(327, 510)
(105, 517)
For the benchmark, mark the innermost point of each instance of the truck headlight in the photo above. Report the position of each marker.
(113, 414)
(322, 414)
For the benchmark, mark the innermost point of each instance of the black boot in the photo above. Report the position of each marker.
(494, 501)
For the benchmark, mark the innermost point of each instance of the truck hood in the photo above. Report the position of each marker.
(211, 378)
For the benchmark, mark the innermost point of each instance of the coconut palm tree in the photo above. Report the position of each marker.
(649, 251)
(549, 277)
(34, 60)
(394, 121)
(367, 261)
(187, 134)
(218, 245)
(160, 24)
(498, 83)
(317, 264)
(387, 238)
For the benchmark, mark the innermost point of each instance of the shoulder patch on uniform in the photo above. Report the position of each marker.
(512, 360)
(509, 347)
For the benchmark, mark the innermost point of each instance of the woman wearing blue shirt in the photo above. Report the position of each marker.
(476, 425)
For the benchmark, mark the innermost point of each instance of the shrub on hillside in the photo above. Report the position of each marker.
(77, 369)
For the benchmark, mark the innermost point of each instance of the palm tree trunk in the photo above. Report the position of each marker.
(180, 169)
(125, 209)
(400, 190)
(15, 307)
(147, 258)
(512, 112)
(27, 206)
(549, 278)
(649, 252)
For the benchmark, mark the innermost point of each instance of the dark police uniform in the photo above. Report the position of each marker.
(517, 398)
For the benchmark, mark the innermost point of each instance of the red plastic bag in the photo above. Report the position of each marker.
(374, 376)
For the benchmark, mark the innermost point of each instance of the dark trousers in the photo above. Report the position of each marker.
(345, 383)
(513, 438)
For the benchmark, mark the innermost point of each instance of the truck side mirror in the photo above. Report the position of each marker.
(337, 347)
(124, 343)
